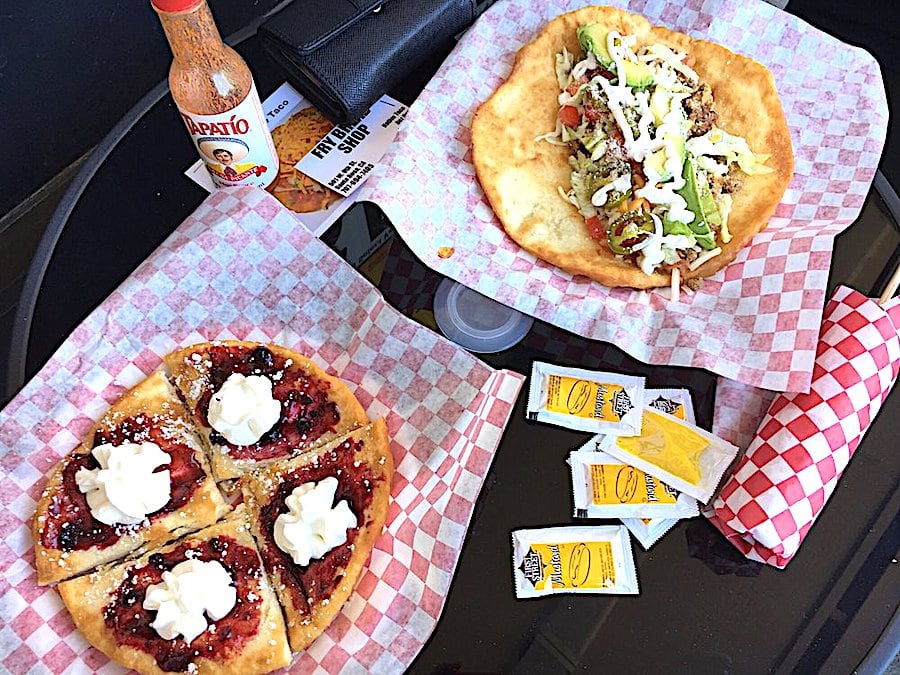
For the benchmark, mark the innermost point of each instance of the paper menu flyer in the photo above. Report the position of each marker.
(344, 157)
(347, 154)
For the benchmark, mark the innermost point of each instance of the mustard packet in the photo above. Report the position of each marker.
(648, 531)
(556, 560)
(675, 402)
(682, 455)
(586, 400)
(605, 487)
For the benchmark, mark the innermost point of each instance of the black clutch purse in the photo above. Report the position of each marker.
(344, 55)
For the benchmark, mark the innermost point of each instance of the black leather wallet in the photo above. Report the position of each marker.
(343, 55)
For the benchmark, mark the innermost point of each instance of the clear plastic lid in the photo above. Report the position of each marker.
(476, 322)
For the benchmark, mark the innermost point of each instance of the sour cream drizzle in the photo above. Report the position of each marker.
(620, 184)
(671, 59)
(655, 247)
(641, 147)
(621, 94)
(657, 192)
(586, 64)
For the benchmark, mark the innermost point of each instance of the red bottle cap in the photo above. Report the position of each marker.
(174, 5)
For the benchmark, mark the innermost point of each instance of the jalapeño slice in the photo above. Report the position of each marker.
(615, 198)
(628, 230)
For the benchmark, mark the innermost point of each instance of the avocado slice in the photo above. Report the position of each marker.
(637, 74)
(592, 37)
(656, 162)
(660, 103)
(675, 227)
(700, 201)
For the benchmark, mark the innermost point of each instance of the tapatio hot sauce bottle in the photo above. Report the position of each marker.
(214, 91)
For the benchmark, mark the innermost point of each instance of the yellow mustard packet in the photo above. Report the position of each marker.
(678, 403)
(585, 400)
(605, 487)
(682, 455)
(553, 560)
(675, 402)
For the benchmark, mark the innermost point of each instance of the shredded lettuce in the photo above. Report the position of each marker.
(587, 177)
(754, 163)
(584, 185)
(711, 166)
(718, 143)
(594, 144)
(564, 68)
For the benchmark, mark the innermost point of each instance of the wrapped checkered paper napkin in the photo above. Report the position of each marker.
(805, 441)
(757, 320)
(244, 267)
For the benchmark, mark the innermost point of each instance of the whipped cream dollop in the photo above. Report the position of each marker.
(188, 591)
(126, 488)
(243, 409)
(313, 527)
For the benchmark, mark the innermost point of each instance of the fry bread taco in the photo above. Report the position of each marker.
(293, 140)
(632, 154)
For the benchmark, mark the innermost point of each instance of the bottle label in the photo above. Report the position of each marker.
(235, 145)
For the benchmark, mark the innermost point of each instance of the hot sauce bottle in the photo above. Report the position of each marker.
(215, 94)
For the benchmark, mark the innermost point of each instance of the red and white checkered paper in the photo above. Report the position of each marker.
(757, 320)
(244, 267)
(738, 408)
(805, 441)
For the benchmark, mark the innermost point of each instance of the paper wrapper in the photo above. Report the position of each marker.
(738, 408)
(804, 442)
(755, 321)
(244, 267)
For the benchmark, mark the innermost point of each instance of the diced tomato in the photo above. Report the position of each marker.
(575, 85)
(569, 116)
(595, 229)
(592, 114)
(615, 134)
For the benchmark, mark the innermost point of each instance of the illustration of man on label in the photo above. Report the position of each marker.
(223, 159)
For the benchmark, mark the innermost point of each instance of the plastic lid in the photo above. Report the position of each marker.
(475, 322)
(174, 5)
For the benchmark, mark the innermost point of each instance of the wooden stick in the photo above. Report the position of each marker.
(891, 287)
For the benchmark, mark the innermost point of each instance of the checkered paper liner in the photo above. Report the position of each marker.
(805, 441)
(738, 408)
(244, 267)
(757, 320)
